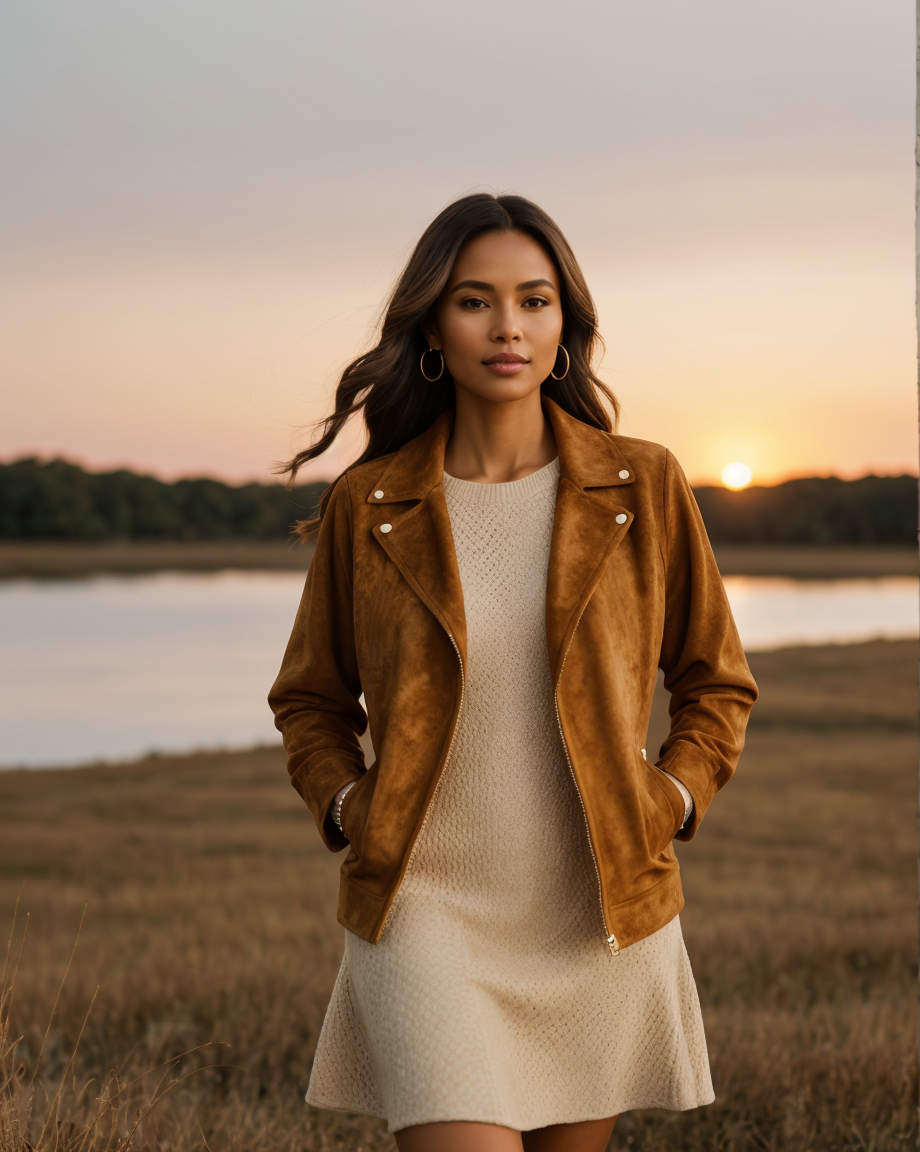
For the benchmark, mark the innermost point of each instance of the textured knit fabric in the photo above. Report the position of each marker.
(492, 994)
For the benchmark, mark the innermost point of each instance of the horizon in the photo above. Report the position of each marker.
(103, 470)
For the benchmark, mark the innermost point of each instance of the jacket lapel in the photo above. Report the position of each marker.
(420, 542)
(585, 527)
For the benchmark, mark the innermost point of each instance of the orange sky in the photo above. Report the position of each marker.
(194, 248)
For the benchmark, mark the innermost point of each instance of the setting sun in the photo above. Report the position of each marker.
(736, 475)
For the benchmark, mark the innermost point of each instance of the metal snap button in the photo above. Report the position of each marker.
(624, 475)
(622, 518)
(385, 527)
(379, 494)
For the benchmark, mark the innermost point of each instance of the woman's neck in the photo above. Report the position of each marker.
(496, 441)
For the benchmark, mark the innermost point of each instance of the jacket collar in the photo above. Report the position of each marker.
(588, 457)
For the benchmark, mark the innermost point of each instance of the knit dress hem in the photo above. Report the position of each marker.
(604, 1113)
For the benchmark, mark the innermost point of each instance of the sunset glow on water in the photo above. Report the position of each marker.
(177, 661)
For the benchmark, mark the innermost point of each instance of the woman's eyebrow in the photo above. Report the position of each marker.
(482, 286)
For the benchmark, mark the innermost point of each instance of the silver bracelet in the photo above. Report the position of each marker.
(337, 803)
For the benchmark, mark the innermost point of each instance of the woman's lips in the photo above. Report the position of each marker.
(503, 367)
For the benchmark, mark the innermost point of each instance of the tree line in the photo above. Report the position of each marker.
(58, 500)
(814, 510)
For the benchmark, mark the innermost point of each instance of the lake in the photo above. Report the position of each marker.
(115, 667)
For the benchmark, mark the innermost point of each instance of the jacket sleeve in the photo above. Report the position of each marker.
(705, 670)
(315, 697)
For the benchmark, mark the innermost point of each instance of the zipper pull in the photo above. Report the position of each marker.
(614, 946)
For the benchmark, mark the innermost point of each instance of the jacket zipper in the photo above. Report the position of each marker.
(612, 942)
(436, 787)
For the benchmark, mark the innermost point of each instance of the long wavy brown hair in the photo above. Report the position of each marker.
(386, 384)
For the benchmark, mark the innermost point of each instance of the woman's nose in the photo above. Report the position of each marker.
(506, 326)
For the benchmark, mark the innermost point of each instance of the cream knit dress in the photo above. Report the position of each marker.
(492, 994)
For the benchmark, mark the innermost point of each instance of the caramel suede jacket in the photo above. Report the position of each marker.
(632, 586)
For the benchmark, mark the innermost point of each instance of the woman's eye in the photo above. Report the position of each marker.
(473, 304)
(535, 302)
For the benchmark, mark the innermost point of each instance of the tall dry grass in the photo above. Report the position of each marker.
(105, 1116)
(210, 920)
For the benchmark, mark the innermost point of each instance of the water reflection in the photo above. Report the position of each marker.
(774, 612)
(114, 667)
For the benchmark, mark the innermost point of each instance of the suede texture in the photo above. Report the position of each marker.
(382, 613)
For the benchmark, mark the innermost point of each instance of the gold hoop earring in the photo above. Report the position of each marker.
(567, 363)
(431, 379)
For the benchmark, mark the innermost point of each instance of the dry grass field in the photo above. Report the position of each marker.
(210, 934)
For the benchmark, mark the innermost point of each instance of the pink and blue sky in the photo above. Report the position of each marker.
(206, 201)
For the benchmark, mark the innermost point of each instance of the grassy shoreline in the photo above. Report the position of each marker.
(59, 560)
(211, 918)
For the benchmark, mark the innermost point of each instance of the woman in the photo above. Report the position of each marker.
(502, 576)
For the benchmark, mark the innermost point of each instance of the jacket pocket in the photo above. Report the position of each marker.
(355, 808)
(661, 819)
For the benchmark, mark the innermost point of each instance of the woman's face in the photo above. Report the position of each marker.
(498, 322)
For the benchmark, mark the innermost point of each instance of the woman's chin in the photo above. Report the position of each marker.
(501, 389)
